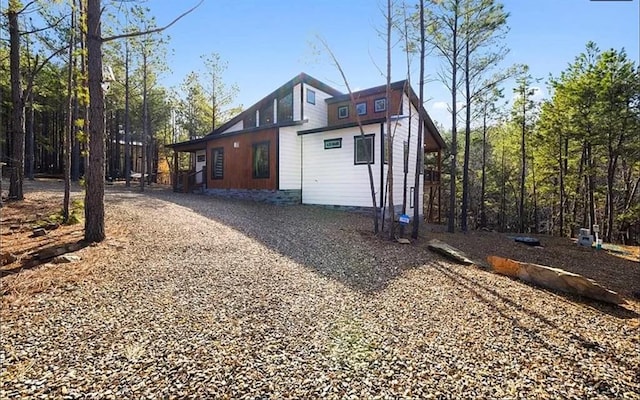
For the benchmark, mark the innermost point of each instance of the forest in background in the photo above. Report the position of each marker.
(551, 166)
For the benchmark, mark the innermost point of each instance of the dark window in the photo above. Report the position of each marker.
(343, 112)
(361, 108)
(385, 149)
(311, 96)
(250, 119)
(285, 108)
(261, 160)
(363, 149)
(200, 158)
(380, 105)
(266, 114)
(217, 163)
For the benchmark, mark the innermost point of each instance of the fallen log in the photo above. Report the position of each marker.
(449, 252)
(554, 278)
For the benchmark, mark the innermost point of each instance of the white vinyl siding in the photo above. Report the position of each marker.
(289, 161)
(297, 111)
(401, 136)
(330, 176)
(316, 114)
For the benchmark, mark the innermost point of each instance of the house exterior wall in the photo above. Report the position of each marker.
(238, 161)
(401, 135)
(297, 106)
(289, 162)
(329, 177)
(396, 98)
(316, 114)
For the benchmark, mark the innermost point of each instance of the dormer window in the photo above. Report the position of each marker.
(343, 112)
(380, 105)
(311, 96)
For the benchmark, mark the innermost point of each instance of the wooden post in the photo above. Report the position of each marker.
(175, 170)
(439, 185)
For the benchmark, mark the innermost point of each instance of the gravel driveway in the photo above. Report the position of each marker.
(218, 299)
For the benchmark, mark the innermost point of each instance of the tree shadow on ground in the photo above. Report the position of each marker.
(335, 244)
(509, 309)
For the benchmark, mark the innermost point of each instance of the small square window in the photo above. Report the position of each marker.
(361, 108)
(363, 149)
(380, 105)
(311, 96)
(343, 112)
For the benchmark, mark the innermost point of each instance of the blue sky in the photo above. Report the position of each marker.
(266, 43)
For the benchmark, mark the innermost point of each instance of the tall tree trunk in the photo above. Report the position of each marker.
(94, 230)
(16, 161)
(483, 185)
(523, 165)
(591, 187)
(419, 149)
(75, 151)
(30, 139)
(454, 116)
(68, 138)
(144, 119)
(536, 220)
(561, 186)
(390, 133)
(467, 136)
(503, 192)
(127, 123)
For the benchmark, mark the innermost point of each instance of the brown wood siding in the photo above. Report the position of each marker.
(332, 109)
(238, 162)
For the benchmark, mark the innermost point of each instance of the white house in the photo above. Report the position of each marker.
(302, 144)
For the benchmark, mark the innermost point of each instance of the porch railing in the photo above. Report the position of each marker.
(187, 181)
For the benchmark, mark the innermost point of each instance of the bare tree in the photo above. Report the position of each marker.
(362, 134)
(419, 149)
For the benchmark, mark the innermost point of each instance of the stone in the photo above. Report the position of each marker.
(37, 232)
(449, 252)
(66, 258)
(554, 278)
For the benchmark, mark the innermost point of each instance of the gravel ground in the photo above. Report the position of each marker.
(217, 299)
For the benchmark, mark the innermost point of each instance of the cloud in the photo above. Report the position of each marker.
(439, 105)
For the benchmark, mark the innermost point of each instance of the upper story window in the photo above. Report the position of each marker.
(343, 112)
(266, 114)
(285, 108)
(250, 120)
(361, 108)
(380, 105)
(311, 96)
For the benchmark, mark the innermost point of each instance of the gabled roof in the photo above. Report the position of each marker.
(300, 78)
